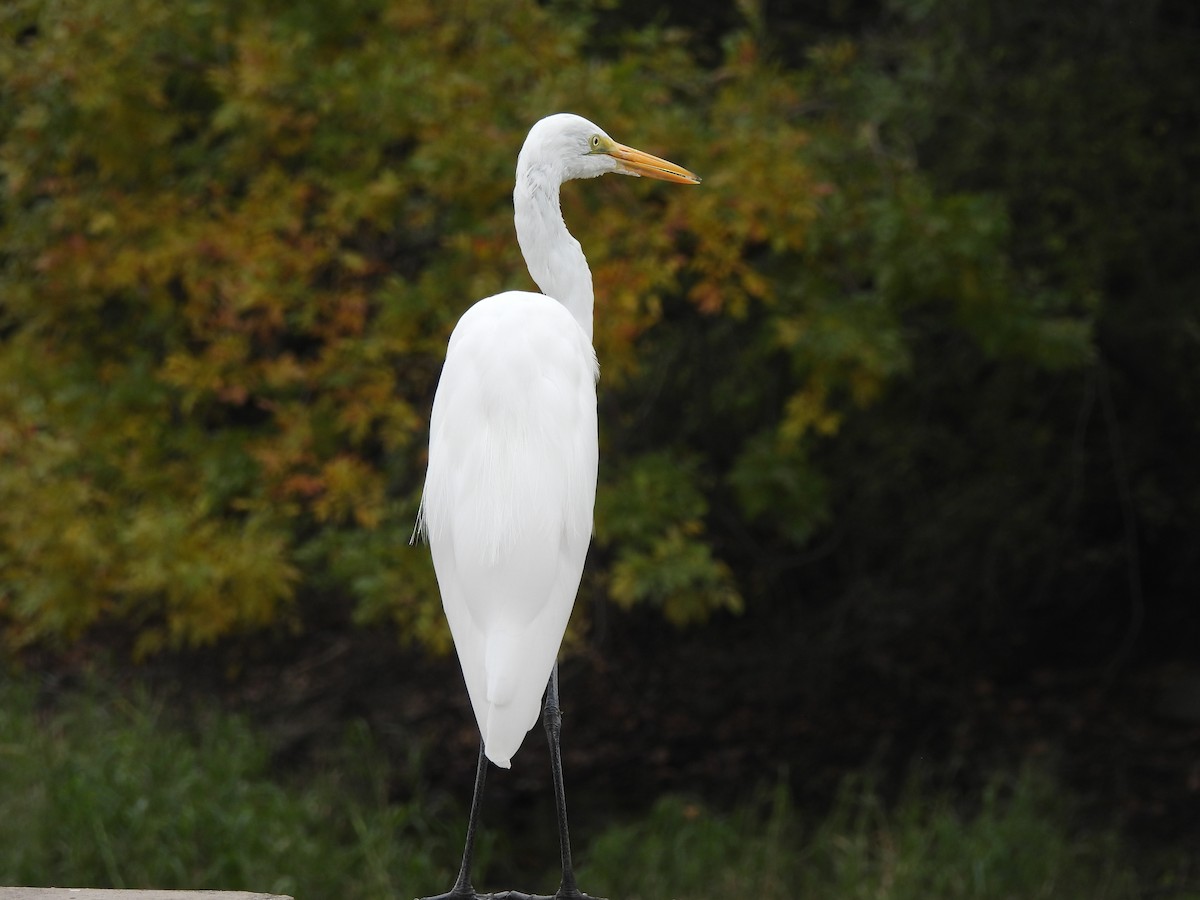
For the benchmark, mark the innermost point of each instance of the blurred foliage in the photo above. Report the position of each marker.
(235, 236)
(114, 792)
(1046, 504)
(136, 792)
(1018, 842)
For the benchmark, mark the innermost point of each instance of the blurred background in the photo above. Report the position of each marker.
(895, 585)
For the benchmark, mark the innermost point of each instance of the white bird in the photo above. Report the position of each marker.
(511, 483)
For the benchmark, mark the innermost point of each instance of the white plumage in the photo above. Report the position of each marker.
(508, 500)
(511, 484)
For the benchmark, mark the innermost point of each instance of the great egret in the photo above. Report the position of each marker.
(507, 505)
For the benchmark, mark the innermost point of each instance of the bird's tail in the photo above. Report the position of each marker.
(512, 709)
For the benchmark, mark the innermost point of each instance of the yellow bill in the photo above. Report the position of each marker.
(638, 162)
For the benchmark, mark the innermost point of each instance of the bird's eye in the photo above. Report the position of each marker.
(595, 142)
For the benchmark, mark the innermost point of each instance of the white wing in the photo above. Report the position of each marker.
(508, 499)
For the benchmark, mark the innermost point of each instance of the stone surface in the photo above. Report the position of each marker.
(30, 893)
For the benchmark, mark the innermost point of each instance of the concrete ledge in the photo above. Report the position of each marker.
(28, 893)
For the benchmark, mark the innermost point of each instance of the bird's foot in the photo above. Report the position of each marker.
(573, 893)
(455, 893)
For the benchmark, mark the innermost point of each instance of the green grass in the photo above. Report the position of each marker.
(1017, 845)
(104, 791)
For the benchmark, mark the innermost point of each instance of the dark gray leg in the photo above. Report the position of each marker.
(552, 718)
(462, 889)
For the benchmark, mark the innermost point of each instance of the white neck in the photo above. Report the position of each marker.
(554, 257)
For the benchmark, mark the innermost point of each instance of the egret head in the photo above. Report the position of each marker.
(569, 146)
